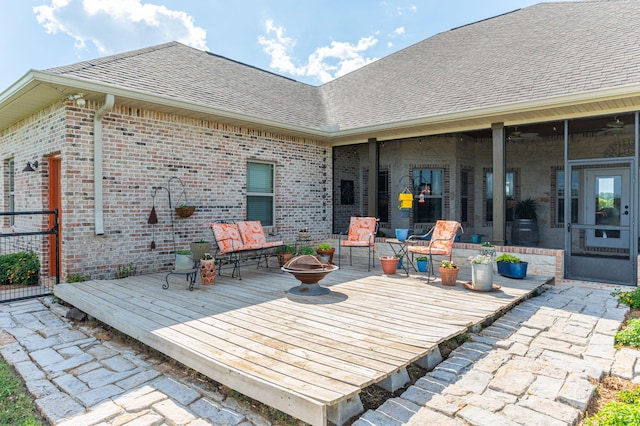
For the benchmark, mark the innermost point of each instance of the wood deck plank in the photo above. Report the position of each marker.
(297, 354)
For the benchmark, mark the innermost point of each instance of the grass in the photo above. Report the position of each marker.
(16, 406)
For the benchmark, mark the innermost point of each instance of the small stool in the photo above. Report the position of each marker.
(190, 275)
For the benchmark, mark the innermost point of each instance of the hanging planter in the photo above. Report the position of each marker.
(185, 211)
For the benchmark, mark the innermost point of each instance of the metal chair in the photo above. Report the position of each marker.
(443, 235)
(362, 233)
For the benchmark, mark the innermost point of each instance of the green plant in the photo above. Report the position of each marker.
(16, 405)
(422, 258)
(324, 247)
(526, 209)
(19, 268)
(630, 335)
(286, 249)
(307, 251)
(183, 252)
(630, 298)
(508, 258)
(77, 278)
(399, 255)
(486, 244)
(448, 264)
(125, 271)
(624, 411)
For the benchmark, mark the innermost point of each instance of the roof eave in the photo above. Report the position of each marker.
(481, 118)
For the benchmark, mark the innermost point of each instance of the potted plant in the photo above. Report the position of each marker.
(284, 254)
(184, 210)
(487, 248)
(207, 269)
(511, 266)
(326, 251)
(306, 250)
(524, 229)
(400, 256)
(449, 272)
(389, 264)
(481, 272)
(423, 263)
(184, 260)
(199, 248)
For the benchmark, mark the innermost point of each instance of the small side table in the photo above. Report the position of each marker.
(190, 275)
(400, 248)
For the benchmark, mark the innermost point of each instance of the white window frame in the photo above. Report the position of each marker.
(271, 194)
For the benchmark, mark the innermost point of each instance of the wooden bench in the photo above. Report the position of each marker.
(240, 241)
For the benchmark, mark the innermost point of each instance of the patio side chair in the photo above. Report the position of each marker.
(361, 234)
(443, 235)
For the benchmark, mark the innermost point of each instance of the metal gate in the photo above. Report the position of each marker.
(29, 254)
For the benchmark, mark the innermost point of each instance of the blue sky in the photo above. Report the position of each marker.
(310, 41)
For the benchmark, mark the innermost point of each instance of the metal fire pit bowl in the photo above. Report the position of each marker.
(309, 270)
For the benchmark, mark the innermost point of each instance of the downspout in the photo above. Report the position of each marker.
(97, 163)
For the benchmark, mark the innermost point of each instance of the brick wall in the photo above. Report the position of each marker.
(143, 150)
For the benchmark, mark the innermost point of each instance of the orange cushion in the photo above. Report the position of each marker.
(227, 237)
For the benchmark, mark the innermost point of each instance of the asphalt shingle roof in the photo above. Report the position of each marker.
(546, 50)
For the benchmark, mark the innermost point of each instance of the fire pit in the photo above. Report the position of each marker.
(309, 270)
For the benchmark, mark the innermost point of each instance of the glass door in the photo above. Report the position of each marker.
(600, 245)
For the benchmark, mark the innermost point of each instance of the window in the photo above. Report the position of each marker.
(383, 196)
(261, 193)
(465, 194)
(575, 190)
(509, 192)
(428, 195)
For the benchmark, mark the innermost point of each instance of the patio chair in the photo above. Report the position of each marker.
(443, 235)
(362, 234)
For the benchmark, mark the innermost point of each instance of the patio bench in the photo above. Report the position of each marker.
(238, 242)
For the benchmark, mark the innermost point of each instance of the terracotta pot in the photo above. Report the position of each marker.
(328, 253)
(449, 276)
(208, 271)
(284, 258)
(389, 264)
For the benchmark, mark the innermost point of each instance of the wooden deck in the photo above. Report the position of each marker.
(301, 355)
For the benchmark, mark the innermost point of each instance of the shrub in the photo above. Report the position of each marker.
(19, 268)
(615, 413)
(77, 278)
(508, 258)
(630, 335)
(630, 298)
(127, 270)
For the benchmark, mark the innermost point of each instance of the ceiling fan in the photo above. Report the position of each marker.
(517, 136)
(616, 126)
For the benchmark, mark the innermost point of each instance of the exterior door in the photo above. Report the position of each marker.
(54, 202)
(599, 221)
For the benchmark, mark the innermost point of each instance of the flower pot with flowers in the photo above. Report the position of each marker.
(389, 264)
(481, 272)
(449, 272)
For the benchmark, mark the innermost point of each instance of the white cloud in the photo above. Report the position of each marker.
(118, 25)
(325, 63)
(398, 31)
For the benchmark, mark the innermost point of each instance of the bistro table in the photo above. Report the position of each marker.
(400, 249)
